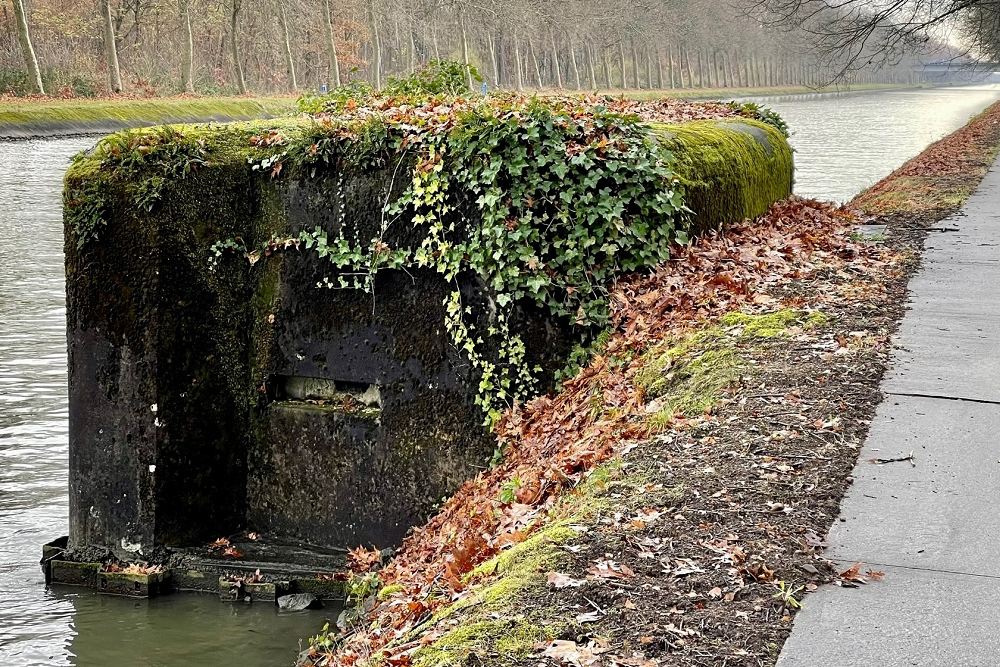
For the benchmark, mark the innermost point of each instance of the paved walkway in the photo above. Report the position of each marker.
(933, 528)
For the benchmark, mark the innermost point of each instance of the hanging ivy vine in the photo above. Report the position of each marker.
(545, 201)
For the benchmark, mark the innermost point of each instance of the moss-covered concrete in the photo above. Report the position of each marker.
(179, 431)
(731, 169)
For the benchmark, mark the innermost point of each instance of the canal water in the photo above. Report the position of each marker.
(64, 626)
(848, 142)
(843, 144)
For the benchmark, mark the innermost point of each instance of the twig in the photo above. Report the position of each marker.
(898, 459)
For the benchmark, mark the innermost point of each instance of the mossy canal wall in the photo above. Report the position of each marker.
(212, 392)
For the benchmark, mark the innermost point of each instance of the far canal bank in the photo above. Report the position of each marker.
(43, 118)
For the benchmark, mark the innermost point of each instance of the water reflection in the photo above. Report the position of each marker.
(188, 630)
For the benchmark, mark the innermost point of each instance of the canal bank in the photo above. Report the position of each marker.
(51, 118)
(39, 627)
(34, 119)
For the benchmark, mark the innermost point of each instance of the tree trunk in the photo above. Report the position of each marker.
(376, 46)
(27, 50)
(234, 44)
(659, 69)
(494, 61)
(635, 67)
(621, 54)
(413, 52)
(690, 72)
(576, 66)
(591, 69)
(331, 44)
(534, 57)
(518, 63)
(187, 54)
(607, 69)
(465, 46)
(649, 68)
(555, 59)
(111, 48)
(670, 66)
(293, 83)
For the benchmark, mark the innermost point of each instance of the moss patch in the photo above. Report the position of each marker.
(504, 616)
(730, 170)
(686, 378)
(504, 641)
(772, 325)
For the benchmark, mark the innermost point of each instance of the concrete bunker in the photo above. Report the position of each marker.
(220, 387)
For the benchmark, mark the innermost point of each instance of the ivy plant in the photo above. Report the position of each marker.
(544, 201)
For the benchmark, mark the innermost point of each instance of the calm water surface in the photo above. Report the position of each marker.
(844, 144)
(65, 626)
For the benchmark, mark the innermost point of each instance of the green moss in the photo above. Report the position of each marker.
(731, 170)
(499, 642)
(388, 591)
(501, 620)
(687, 377)
(772, 325)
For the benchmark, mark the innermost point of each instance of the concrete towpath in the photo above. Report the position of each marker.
(932, 526)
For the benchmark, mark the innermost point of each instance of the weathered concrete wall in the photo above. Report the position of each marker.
(159, 374)
(204, 401)
(181, 428)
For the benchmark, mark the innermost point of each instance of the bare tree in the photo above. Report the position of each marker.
(27, 49)
(187, 48)
(858, 33)
(111, 47)
(234, 44)
(293, 83)
(331, 43)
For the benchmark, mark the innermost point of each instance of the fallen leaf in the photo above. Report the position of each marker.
(589, 617)
(560, 580)
(608, 569)
(570, 653)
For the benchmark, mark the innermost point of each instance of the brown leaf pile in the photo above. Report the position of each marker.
(552, 442)
(438, 115)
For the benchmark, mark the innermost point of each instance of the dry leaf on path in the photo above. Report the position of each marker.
(570, 653)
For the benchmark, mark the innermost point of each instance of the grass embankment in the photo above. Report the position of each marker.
(667, 507)
(56, 117)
